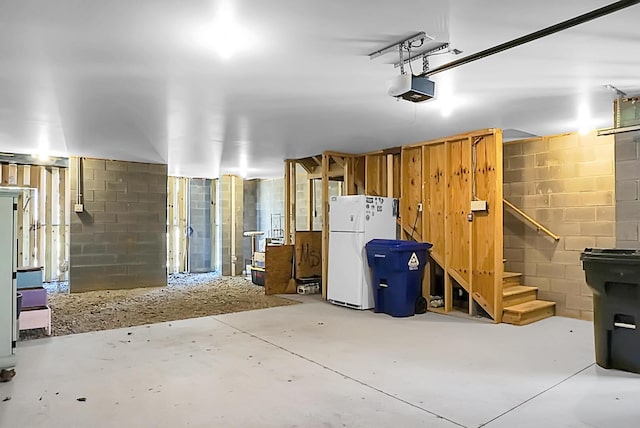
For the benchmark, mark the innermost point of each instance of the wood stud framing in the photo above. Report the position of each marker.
(43, 219)
(441, 175)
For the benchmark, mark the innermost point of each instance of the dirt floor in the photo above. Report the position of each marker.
(186, 296)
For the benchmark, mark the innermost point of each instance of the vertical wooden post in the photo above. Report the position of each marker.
(426, 280)
(325, 225)
(183, 201)
(213, 216)
(233, 224)
(293, 199)
(311, 195)
(390, 175)
(472, 273)
(287, 201)
(42, 215)
(65, 219)
(171, 267)
(27, 203)
(448, 287)
(53, 228)
(498, 267)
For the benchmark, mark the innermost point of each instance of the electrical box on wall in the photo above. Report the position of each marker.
(78, 208)
(478, 206)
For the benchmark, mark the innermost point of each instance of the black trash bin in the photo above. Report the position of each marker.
(614, 277)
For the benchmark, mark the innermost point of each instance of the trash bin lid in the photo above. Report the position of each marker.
(607, 255)
(399, 245)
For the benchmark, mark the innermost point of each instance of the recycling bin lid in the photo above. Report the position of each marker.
(399, 245)
(607, 255)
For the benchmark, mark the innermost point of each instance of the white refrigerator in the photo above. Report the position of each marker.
(354, 221)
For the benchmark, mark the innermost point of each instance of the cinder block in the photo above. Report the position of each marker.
(549, 216)
(605, 242)
(552, 296)
(580, 184)
(598, 229)
(579, 302)
(580, 214)
(549, 270)
(566, 141)
(592, 169)
(565, 200)
(512, 149)
(561, 172)
(586, 315)
(627, 231)
(112, 165)
(566, 286)
(605, 183)
(628, 170)
(535, 146)
(566, 257)
(574, 272)
(627, 244)
(605, 214)
(548, 187)
(579, 243)
(628, 210)
(597, 198)
(627, 190)
(103, 196)
(103, 217)
(625, 150)
(563, 311)
(97, 164)
(94, 185)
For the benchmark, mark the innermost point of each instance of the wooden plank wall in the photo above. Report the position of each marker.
(177, 221)
(469, 250)
(411, 179)
(43, 217)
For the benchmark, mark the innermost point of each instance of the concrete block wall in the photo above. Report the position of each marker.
(628, 190)
(120, 239)
(200, 223)
(567, 183)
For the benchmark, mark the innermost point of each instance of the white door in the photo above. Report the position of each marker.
(346, 273)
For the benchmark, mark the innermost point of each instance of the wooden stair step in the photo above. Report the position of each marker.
(518, 294)
(528, 312)
(511, 278)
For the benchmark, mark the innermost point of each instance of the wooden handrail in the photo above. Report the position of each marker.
(531, 220)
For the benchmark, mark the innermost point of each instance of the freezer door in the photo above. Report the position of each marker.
(347, 283)
(380, 218)
(346, 213)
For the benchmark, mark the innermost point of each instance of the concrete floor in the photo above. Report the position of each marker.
(318, 365)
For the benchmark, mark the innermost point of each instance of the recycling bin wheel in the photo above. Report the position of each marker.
(421, 305)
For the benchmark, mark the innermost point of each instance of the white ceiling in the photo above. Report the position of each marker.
(142, 80)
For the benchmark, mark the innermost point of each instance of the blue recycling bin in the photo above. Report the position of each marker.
(397, 268)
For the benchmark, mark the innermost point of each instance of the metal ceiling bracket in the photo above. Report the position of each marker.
(421, 54)
(613, 131)
(392, 48)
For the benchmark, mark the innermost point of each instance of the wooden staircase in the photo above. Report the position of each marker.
(520, 302)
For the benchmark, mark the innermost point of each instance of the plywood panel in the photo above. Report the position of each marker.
(411, 192)
(487, 226)
(308, 247)
(278, 269)
(436, 190)
(376, 175)
(459, 192)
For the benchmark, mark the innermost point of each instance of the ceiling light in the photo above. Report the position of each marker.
(224, 35)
